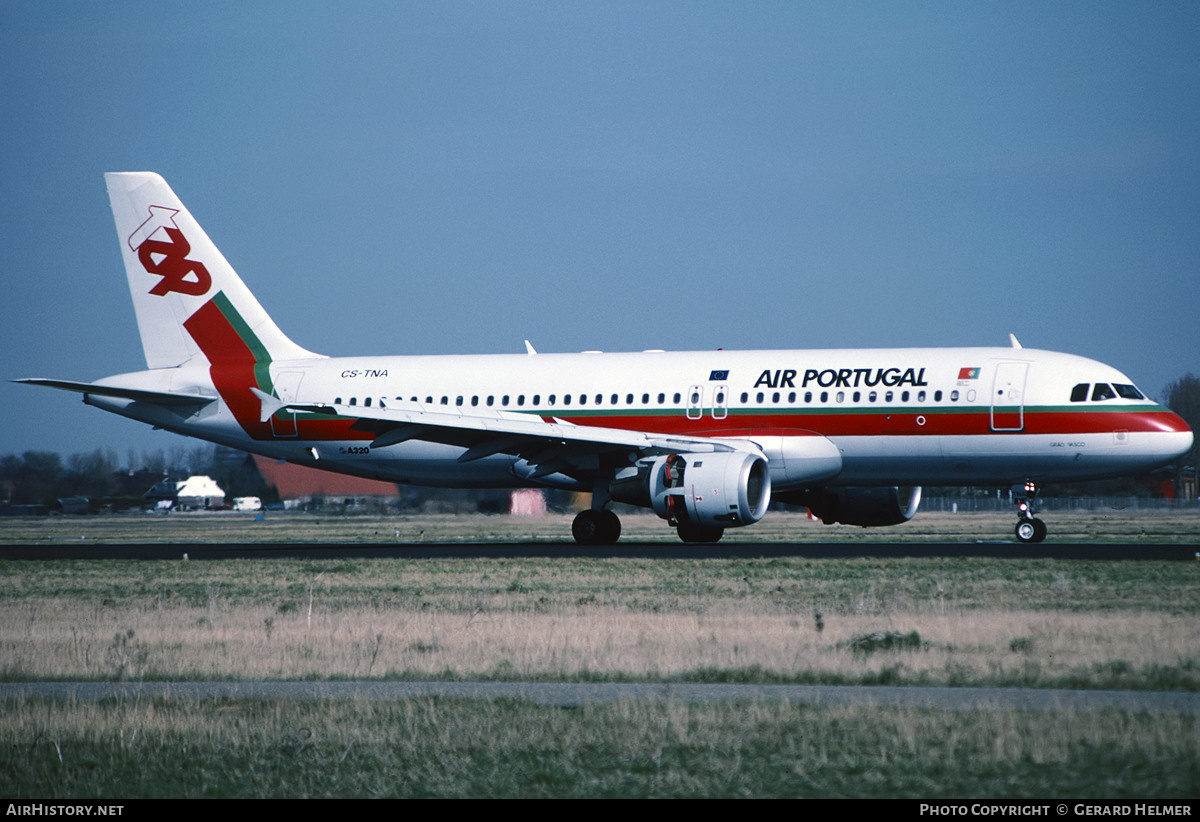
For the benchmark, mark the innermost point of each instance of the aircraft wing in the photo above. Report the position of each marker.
(553, 446)
(166, 398)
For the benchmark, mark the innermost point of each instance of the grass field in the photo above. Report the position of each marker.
(969, 621)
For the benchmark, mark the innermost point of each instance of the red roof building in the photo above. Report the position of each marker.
(298, 484)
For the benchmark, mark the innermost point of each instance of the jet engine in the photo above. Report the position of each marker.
(718, 490)
(858, 506)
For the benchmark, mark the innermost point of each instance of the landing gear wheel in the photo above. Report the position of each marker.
(1031, 530)
(700, 533)
(596, 527)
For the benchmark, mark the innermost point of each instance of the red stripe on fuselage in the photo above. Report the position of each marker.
(926, 423)
(232, 369)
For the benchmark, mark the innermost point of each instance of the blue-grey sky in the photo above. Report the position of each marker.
(429, 177)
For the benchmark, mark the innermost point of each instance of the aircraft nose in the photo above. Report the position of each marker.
(1180, 436)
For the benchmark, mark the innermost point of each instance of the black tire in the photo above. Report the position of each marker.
(610, 527)
(1031, 530)
(586, 528)
(596, 527)
(700, 533)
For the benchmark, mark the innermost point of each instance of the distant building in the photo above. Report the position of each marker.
(196, 492)
(299, 486)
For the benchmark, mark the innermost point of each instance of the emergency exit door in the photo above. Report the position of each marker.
(1008, 396)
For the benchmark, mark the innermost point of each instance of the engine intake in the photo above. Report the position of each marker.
(725, 489)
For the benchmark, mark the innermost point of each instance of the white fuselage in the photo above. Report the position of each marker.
(896, 416)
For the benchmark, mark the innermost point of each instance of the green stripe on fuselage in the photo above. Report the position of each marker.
(262, 358)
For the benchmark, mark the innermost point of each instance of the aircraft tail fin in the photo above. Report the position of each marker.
(187, 297)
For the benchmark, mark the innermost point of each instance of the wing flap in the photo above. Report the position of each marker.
(553, 445)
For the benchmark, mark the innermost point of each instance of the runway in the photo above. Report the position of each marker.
(730, 550)
(575, 694)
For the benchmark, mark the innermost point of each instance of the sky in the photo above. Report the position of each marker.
(456, 177)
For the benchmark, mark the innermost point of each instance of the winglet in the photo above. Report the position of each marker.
(529, 348)
(1012, 338)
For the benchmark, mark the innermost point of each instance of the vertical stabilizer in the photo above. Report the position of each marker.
(174, 271)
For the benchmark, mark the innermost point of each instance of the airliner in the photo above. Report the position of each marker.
(705, 439)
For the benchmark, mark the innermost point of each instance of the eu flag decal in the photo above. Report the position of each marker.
(719, 375)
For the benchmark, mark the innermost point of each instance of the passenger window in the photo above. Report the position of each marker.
(937, 395)
(613, 400)
(791, 396)
(599, 399)
(775, 397)
(566, 399)
(504, 400)
(367, 402)
(745, 397)
(1102, 392)
(354, 400)
(954, 396)
(873, 396)
(550, 399)
(808, 396)
(841, 396)
(491, 399)
(520, 399)
(537, 399)
(458, 401)
(857, 396)
(645, 399)
(758, 397)
(1079, 393)
(662, 398)
(824, 396)
(474, 401)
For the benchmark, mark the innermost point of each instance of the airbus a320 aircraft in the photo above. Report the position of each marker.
(706, 439)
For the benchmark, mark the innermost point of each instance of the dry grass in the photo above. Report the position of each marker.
(66, 639)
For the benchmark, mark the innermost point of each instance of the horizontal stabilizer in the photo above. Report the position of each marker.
(165, 398)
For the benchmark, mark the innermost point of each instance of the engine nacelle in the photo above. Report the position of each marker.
(858, 506)
(725, 489)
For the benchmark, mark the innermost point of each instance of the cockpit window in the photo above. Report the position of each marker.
(1128, 392)
(1102, 392)
(1079, 392)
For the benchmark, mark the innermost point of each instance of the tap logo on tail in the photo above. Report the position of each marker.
(168, 258)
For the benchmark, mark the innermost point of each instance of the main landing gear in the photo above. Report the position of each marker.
(592, 527)
(597, 525)
(1029, 528)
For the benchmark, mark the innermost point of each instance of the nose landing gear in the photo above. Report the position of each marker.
(1029, 528)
